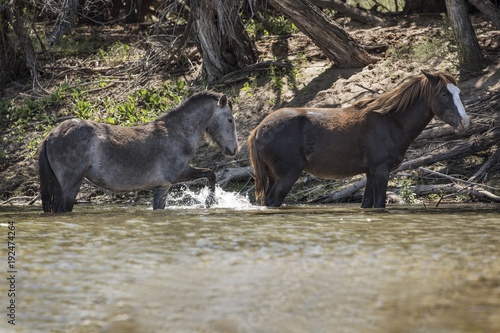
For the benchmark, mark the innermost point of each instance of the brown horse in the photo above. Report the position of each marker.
(154, 155)
(369, 137)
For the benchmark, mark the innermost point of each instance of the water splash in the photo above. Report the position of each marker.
(188, 199)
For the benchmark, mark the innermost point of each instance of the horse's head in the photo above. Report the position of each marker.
(445, 101)
(222, 127)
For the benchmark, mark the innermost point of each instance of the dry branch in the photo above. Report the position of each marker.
(468, 182)
(493, 160)
(21, 198)
(422, 190)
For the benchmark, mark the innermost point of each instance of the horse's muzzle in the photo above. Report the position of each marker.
(464, 125)
(229, 152)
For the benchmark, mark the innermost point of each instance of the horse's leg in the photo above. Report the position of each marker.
(65, 196)
(282, 185)
(368, 196)
(159, 197)
(380, 179)
(70, 178)
(70, 190)
(197, 173)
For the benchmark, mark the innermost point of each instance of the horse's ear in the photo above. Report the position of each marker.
(432, 78)
(222, 101)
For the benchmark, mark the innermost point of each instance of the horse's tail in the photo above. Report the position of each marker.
(49, 185)
(261, 177)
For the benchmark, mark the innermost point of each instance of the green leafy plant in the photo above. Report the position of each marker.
(249, 87)
(277, 78)
(273, 25)
(405, 191)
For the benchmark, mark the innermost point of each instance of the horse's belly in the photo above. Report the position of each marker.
(335, 165)
(332, 173)
(126, 180)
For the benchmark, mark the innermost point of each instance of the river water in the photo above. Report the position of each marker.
(335, 268)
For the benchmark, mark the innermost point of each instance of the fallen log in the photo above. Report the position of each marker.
(21, 198)
(464, 148)
(230, 174)
(422, 190)
(468, 182)
(342, 194)
(435, 132)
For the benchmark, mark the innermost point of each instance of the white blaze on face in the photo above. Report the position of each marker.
(456, 99)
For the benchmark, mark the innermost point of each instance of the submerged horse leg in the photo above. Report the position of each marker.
(159, 197)
(368, 196)
(65, 199)
(279, 188)
(379, 180)
(70, 178)
(197, 173)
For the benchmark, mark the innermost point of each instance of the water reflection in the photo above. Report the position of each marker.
(295, 269)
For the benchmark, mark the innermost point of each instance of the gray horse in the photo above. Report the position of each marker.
(154, 155)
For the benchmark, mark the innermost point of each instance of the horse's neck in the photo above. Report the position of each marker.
(192, 119)
(413, 120)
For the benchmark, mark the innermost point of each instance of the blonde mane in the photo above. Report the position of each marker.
(406, 94)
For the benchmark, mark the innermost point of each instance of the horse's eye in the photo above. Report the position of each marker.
(230, 120)
(443, 93)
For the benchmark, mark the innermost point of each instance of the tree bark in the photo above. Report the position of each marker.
(221, 38)
(470, 56)
(15, 60)
(64, 23)
(6, 49)
(488, 9)
(334, 41)
(357, 14)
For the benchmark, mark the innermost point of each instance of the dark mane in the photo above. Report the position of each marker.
(405, 95)
(195, 99)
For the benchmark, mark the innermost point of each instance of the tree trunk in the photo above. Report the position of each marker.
(64, 23)
(357, 14)
(221, 38)
(334, 41)
(6, 49)
(17, 56)
(470, 56)
(424, 6)
(488, 9)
